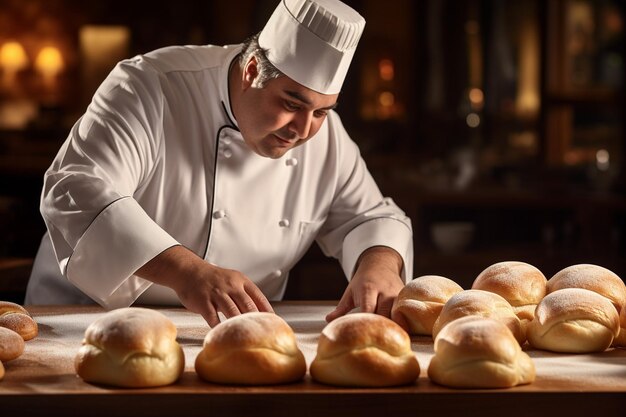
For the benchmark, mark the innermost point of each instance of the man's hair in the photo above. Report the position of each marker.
(267, 71)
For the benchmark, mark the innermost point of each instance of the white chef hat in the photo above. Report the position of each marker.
(313, 41)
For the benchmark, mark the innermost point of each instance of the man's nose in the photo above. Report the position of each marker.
(301, 124)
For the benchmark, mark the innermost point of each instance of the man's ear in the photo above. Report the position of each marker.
(250, 72)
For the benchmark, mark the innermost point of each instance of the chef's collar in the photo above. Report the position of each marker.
(232, 58)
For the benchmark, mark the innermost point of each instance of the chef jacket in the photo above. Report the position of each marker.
(157, 160)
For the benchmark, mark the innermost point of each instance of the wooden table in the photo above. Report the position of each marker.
(42, 381)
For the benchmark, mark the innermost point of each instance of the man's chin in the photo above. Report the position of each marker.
(273, 153)
(278, 154)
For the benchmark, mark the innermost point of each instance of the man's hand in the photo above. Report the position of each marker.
(375, 284)
(204, 288)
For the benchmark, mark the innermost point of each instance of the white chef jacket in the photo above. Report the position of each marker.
(157, 160)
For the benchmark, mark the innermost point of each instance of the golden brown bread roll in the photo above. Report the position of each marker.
(420, 302)
(620, 340)
(480, 303)
(478, 352)
(364, 350)
(519, 283)
(130, 347)
(11, 345)
(251, 349)
(15, 317)
(574, 320)
(593, 278)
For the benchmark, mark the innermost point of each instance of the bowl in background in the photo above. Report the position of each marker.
(452, 237)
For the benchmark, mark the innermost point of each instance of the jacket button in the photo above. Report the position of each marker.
(277, 273)
(291, 162)
(219, 214)
(227, 153)
(283, 223)
(225, 137)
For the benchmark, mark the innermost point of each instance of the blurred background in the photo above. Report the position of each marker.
(498, 126)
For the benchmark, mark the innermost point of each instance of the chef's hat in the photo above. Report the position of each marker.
(313, 41)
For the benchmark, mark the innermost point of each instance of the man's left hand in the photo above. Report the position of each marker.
(375, 284)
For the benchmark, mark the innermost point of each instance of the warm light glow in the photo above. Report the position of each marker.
(49, 63)
(386, 99)
(104, 44)
(603, 160)
(527, 101)
(476, 98)
(12, 60)
(525, 141)
(101, 47)
(386, 69)
(472, 120)
(387, 107)
(13, 57)
(474, 54)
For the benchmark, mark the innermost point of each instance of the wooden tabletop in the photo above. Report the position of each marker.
(43, 382)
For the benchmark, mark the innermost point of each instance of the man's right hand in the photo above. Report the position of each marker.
(204, 288)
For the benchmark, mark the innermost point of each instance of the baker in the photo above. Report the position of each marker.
(199, 175)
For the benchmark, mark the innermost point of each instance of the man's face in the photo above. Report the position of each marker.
(281, 115)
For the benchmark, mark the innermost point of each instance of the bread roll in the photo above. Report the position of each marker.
(620, 340)
(11, 345)
(130, 347)
(421, 300)
(593, 278)
(364, 350)
(519, 283)
(1, 371)
(15, 317)
(251, 349)
(478, 352)
(574, 320)
(479, 303)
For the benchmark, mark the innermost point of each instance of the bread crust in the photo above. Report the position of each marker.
(574, 320)
(364, 350)
(130, 347)
(251, 349)
(591, 277)
(11, 345)
(521, 284)
(620, 340)
(17, 318)
(421, 300)
(479, 352)
(480, 303)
